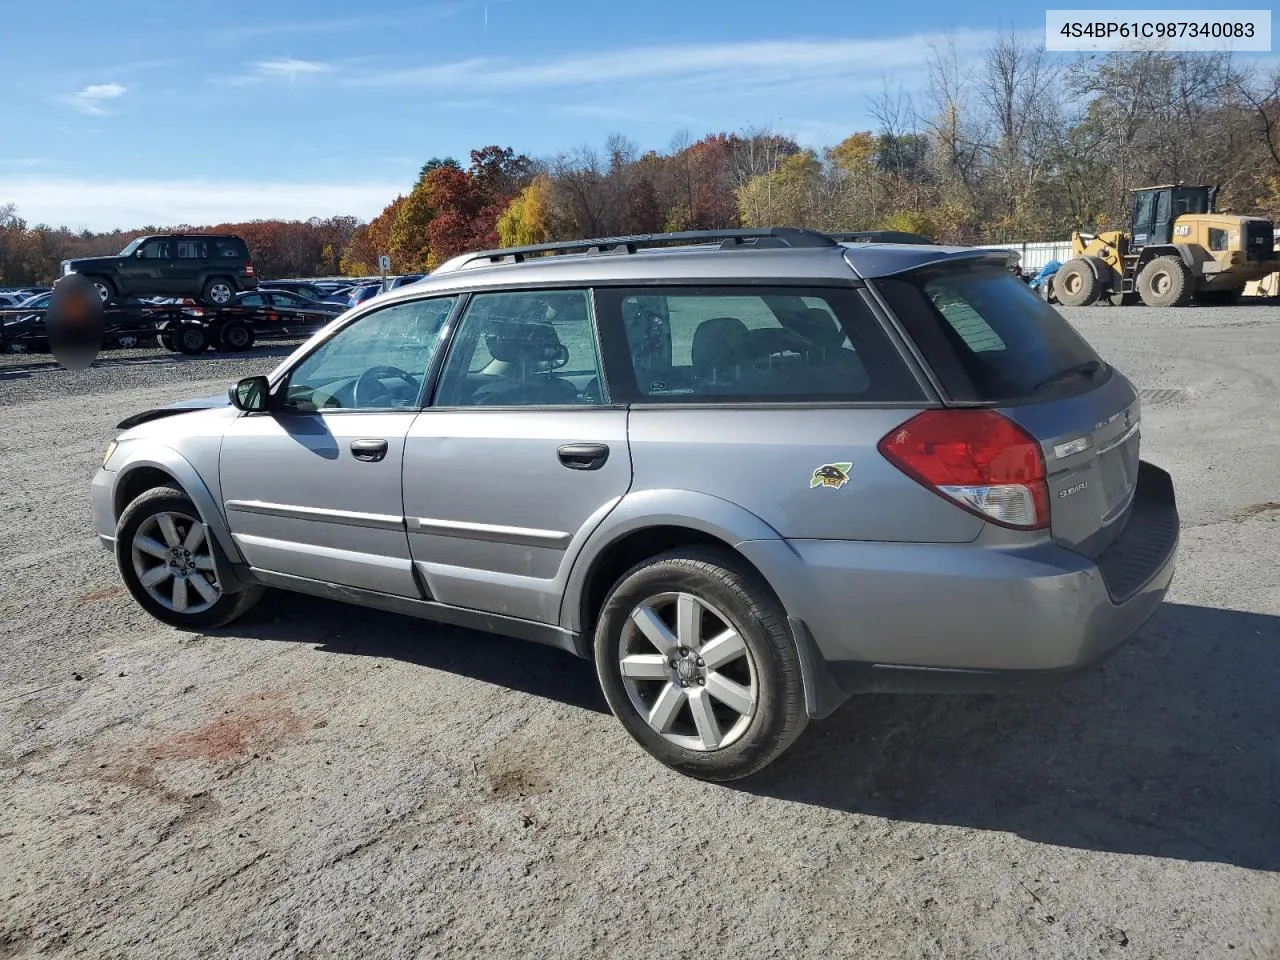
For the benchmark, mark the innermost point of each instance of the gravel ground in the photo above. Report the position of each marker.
(319, 781)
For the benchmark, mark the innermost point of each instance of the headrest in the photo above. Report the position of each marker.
(520, 341)
(815, 325)
(719, 345)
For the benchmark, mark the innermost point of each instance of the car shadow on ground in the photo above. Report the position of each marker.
(1170, 749)
(343, 628)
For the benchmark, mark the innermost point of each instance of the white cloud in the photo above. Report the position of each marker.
(735, 65)
(290, 67)
(282, 68)
(107, 204)
(90, 99)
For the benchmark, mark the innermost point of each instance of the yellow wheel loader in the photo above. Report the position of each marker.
(1177, 249)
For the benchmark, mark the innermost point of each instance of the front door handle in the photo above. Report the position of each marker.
(370, 451)
(583, 456)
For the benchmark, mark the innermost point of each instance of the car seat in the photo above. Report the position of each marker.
(530, 352)
(720, 351)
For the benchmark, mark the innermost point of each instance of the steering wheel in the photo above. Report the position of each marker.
(368, 387)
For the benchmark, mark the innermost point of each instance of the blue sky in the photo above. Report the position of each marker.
(133, 112)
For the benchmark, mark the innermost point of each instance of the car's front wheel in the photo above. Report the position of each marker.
(104, 288)
(165, 555)
(697, 662)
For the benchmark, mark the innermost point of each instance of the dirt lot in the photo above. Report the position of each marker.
(320, 781)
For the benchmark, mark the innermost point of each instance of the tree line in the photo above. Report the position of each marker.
(1013, 145)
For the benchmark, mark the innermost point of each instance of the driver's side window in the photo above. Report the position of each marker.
(376, 363)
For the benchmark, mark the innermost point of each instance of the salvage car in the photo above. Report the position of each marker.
(238, 325)
(207, 267)
(748, 473)
(130, 323)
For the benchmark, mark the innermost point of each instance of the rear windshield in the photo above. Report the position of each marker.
(988, 337)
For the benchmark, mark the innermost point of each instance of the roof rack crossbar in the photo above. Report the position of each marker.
(789, 236)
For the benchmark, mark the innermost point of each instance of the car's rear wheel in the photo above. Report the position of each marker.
(165, 554)
(218, 292)
(696, 661)
(236, 336)
(191, 339)
(127, 341)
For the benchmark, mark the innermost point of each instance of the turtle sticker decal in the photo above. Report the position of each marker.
(834, 475)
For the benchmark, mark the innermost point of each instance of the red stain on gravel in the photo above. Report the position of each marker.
(257, 722)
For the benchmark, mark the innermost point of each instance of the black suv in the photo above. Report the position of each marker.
(203, 266)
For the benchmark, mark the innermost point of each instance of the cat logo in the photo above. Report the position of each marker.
(834, 475)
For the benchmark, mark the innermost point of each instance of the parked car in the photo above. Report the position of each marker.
(248, 316)
(749, 476)
(359, 295)
(394, 283)
(207, 267)
(128, 324)
(10, 300)
(309, 290)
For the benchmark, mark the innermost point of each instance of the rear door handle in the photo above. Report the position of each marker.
(370, 451)
(583, 456)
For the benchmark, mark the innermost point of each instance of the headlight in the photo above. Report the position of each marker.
(111, 448)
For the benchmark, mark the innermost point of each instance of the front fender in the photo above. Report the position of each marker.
(645, 509)
(156, 456)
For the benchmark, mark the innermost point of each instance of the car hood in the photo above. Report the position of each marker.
(79, 264)
(219, 403)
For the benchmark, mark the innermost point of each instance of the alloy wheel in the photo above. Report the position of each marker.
(688, 672)
(173, 560)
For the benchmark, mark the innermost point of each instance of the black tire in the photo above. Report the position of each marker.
(1077, 284)
(171, 500)
(218, 291)
(1219, 298)
(106, 289)
(191, 339)
(739, 598)
(236, 337)
(1165, 282)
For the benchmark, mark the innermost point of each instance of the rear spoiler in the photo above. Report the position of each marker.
(872, 262)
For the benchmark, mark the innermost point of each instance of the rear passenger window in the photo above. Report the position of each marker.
(717, 344)
(191, 250)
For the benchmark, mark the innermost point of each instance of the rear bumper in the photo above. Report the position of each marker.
(890, 616)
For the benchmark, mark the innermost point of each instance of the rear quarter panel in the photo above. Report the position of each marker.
(765, 460)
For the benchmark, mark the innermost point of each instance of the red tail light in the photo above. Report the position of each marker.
(978, 459)
(248, 269)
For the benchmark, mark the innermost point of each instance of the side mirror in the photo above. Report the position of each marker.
(250, 394)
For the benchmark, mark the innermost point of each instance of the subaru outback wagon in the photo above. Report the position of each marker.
(748, 473)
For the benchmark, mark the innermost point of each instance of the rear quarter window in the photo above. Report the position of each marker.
(988, 337)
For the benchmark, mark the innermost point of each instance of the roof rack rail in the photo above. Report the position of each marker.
(879, 236)
(794, 237)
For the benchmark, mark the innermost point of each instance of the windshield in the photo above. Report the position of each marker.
(988, 337)
(133, 245)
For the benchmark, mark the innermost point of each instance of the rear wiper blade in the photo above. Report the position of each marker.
(1087, 369)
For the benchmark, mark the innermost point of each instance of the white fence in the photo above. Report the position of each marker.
(1035, 255)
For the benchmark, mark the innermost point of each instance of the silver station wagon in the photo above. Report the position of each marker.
(749, 473)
